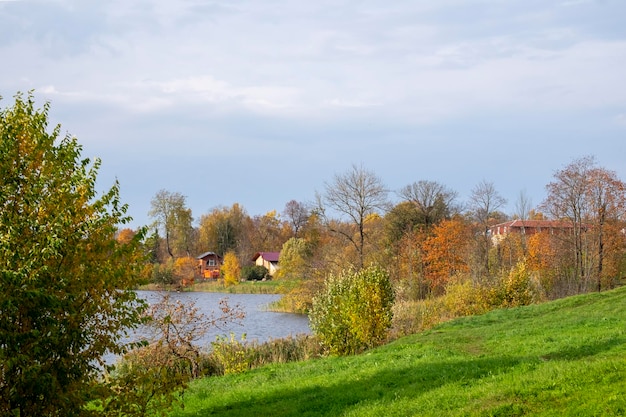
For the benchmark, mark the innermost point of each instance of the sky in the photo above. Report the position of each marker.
(263, 102)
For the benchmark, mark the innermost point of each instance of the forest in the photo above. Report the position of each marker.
(429, 242)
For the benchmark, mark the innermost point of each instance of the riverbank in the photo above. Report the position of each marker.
(560, 358)
(246, 287)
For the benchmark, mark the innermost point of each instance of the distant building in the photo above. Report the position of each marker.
(267, 259)
(528, 227)
(209, 264)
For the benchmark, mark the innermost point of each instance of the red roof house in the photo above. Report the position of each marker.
(267, 259)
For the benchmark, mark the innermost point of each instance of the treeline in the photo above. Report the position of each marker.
(426, 240)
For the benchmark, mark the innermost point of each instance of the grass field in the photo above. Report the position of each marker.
(564, 358)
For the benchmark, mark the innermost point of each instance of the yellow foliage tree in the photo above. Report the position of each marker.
(231, 269)
(185, 270)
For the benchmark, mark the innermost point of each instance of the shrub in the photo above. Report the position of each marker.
(163, 274)
(518, 287)
(464, 297)
(353, 311)
(254, 273)
(231, 354)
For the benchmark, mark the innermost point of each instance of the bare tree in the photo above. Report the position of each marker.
(607, 199)
(297, 214)
(523, 205)
(588, 197)
(483, 205)
(353, 196)
(433, 201)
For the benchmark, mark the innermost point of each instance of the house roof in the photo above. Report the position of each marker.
(205, 254)
(556, 224)
(268, 256)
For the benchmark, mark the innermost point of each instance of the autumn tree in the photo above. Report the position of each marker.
(66, 282)
(223, 229)
(589, 198)
(125, 235)
(353, 196)
(267, 233)
(606, 196)
(295, 259)
(174, 219)
(185, 270)
(446, 252)
(231, 270)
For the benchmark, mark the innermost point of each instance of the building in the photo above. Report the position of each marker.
(209, 264)
(528, 227)
(267, 259)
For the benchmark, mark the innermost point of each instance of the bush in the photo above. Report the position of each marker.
(254, 273)
(464, 297)
(519, 289)
(353, 311)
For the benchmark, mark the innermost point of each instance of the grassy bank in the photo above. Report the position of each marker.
(562, 358)
(247, 287)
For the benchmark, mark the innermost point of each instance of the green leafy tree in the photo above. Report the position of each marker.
(354, 311)
(65, 279)
(295, 259)
(174, 219)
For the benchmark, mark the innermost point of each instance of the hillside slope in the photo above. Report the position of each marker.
(565, 358)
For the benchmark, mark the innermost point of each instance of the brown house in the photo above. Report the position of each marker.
(209, 264)
(267, 259)
(528, 227)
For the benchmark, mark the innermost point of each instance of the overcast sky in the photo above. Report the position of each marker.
(261, 102)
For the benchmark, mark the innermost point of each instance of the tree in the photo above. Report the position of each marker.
(185, 271)
(589, 197)
(294, 259)
(433, 201)
(125, 235)
(354, 196)
(446, 252)
(606, 196)
(66, 282)
(297, 215)
(171, 215)
(267, 233)
(223, 229)
(484, 203)
(152, 377)
(231, 270)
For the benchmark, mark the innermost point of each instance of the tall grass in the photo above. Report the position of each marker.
(229, 355)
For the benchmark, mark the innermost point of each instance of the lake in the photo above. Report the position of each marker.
(259, 324)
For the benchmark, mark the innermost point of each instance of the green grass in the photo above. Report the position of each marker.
(246, 287)
(565, 358)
